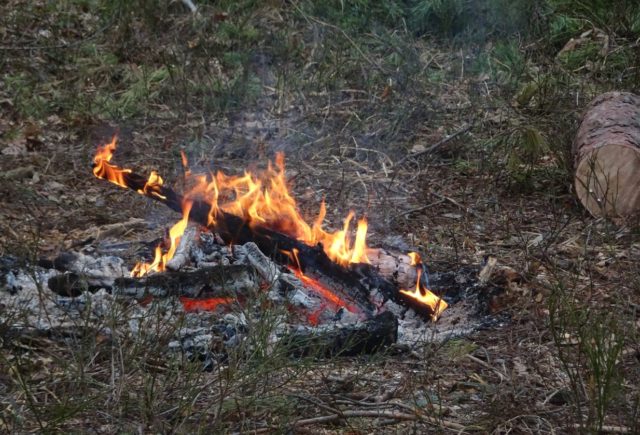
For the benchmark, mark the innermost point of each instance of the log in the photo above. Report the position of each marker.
(361, 278)
(217, 281)
(71, 284)
(395, 267)
(234, 280)
(606, 154)
(360, 338)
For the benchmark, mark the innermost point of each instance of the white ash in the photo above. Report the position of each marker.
(346, 317)
(34, 306)
(205, 335)
(98, 271)
(456, 321)
(184, 250)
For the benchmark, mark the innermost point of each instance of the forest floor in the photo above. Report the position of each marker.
(352, 109)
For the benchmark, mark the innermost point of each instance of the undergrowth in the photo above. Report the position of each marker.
(364, 82)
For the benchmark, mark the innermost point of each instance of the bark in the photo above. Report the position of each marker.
(606, 150)
(232, 281)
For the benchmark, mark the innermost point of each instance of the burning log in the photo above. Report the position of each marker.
(607, 155)
(269, 218)
(396, 267)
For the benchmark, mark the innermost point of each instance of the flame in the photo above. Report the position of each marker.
(265, 200)
(423, 294)
(260, 199)
(153, 186)
(159, 263)
(415, 258)
(103, 169)
(185, 164)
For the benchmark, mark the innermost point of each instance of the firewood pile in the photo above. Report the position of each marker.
(216, 292)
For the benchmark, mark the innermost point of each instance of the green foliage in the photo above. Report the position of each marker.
(589, 344)
(471, 21)
(562, 27)
(438, 16)
(620, 17)
(360, 15)
(26, 100)
(524, 147)
(510, 63)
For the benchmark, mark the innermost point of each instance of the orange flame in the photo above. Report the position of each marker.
(415, 258)
(265, 200)
(103, 169)
(423, 294)
(159, 263)
(185, 164)
(260, 199)
(153, 185)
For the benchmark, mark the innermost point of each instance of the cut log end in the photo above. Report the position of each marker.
(607, 180)
(606, 150)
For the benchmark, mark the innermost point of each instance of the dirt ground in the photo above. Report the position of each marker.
(356, 114)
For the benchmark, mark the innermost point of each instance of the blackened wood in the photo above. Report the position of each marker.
(360, 338)
(236, 280)
(71, 284)
(362, 278)
(217, 281)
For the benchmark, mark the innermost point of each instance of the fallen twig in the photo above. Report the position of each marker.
(606, 428)
(417, 209)
(454, 202)
(434, 146)
(487, 365)
(395, 415)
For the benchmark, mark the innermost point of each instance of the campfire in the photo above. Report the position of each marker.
(242, 250)
(259, 208)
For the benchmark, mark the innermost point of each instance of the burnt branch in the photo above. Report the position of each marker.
(363, 278)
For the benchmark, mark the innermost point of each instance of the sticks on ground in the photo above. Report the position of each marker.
(373, 413)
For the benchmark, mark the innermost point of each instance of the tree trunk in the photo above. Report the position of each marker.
(607, 156)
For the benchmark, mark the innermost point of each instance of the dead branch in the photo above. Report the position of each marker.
(367, 413)
(434, 146)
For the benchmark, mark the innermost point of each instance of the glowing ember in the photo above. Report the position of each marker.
(333, 299)
(208, 304)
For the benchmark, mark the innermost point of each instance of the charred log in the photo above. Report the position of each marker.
(211, 282)
(361, 338)
(71, 284)
(232, 281)
(361, 278)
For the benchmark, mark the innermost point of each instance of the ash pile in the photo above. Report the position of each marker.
(212, 295)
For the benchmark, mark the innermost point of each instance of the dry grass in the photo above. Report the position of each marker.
(344, 105)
